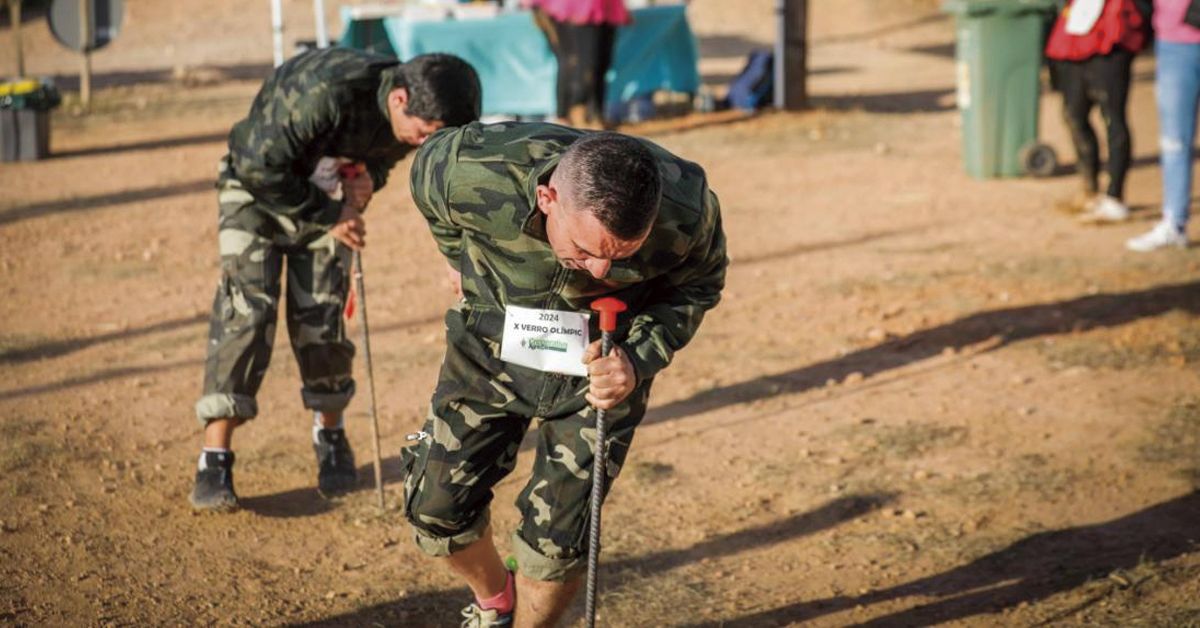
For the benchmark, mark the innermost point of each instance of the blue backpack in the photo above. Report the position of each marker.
(752, 88)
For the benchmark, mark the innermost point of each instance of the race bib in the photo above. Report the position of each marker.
(546, 340)
(1082, 16)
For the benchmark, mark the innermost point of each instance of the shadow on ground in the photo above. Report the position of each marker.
(1030, 570)
(997, 327)
(101, 201)
(438, 608)
(155, 144)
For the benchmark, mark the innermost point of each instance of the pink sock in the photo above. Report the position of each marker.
(502, 601)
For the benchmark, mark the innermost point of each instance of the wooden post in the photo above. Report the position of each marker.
(14, 16)
(791, 55)
(85, 71)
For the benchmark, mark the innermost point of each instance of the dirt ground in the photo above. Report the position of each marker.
(924, 399)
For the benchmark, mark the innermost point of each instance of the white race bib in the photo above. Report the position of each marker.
(546, 340)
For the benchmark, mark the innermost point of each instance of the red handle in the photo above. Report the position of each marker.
(608, 308)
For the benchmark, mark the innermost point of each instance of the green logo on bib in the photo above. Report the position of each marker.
(541, 344)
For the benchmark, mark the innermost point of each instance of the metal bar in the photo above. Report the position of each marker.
(366, 342)
(277, 30)
(599, 471)
(319, 15)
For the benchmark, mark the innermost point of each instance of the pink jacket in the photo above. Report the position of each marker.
(584, 11)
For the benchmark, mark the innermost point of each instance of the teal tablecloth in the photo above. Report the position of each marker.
(516, 67)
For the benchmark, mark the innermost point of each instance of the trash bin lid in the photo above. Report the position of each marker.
(19, 87)
(972, 8)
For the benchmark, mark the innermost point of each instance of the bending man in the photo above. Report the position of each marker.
(536, 221)
(279, 199)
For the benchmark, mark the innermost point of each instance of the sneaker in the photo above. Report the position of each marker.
(1104, 209)
(213, 491)
(335, 462)
(475, 617)
(1161, 236)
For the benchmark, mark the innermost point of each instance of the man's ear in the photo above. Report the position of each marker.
(546, 197)
(398, 99)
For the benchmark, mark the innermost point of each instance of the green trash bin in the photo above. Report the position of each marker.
(25, 106)
(998, 59)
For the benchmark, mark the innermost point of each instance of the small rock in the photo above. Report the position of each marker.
(1025, 410)
(881, 148)
(912, 514)
(876, 334)
(854, 378)
(836, 488)
(43, 507)
(920, 474)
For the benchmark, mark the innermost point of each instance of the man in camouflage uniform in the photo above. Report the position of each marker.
(281, 196)
(545, 217)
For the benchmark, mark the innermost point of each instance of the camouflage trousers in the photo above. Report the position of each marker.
(253, 246)
(480, 412)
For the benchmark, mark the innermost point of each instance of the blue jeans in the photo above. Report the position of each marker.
(1177, 88)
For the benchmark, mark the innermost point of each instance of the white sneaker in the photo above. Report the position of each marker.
(1104, 208)
(1161, 236)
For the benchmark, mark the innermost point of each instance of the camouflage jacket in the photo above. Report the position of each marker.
(324, 103)
(476, 184)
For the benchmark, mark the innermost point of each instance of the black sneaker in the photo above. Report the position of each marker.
(336, 473)
(213, 491)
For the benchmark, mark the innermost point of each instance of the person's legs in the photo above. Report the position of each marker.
(1076, 107)
(1177, 90)
(553, 32)
(240, 340)
(318, 282)
(551, 544)
(606, 41)
(573, 71)
(1111, 91)
(476, 422)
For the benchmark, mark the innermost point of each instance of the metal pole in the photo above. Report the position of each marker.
(277, 30)
(780, 50)
(599, 470)
(791, 54)
(85, 70)
(319, 14)
(608, 307)
(366, 342)
(14, 16)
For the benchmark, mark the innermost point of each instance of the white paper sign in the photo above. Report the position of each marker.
(546, 340)
(1082, 16)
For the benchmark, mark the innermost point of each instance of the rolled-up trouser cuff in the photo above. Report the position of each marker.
(225, 406)
(536, 566)
(442, 547)
(330, 403)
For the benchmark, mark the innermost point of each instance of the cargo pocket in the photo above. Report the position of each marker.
(414, 460)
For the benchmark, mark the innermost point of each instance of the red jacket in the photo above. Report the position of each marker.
(1119, 24)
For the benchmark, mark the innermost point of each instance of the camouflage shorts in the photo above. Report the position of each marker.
(254, 245)
(479, 415)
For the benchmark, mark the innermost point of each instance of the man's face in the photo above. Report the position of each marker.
(576, 236)
(408, 128)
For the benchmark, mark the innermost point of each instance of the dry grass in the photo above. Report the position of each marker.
(1175, 440)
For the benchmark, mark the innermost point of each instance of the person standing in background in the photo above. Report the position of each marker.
(1091, 50)
(581, 33)
(1177, 90)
